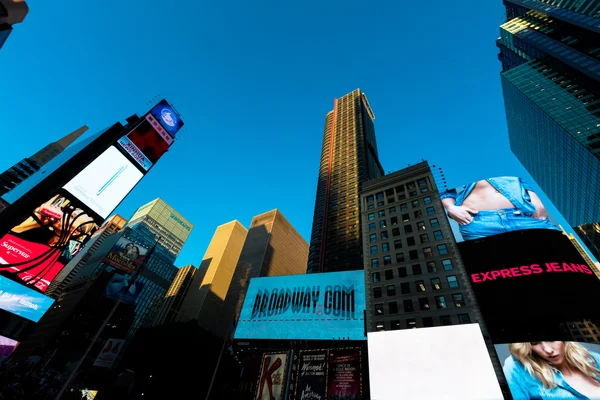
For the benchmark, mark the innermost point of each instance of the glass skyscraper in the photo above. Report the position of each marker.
(550, 54)
(348, 159)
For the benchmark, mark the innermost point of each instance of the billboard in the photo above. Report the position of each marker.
(167, 116)
(315, 306)
(37, 249)
(117, 287)
(109, 353)
(311, 382)
(125, 255)
(344, 374)
(22, 301)
(447, 362)
(493, 206)
(105, 182)
(7, 346)
(273, 375)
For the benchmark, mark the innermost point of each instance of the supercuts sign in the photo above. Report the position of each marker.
(319, 306)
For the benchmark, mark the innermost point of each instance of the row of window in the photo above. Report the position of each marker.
(434, 222)
(405, 217)
(410, 241)
(408, 305)
(403, 207)
(416, 270)
(412, 254)
(401, 190)
(436, 285)
(427, 322)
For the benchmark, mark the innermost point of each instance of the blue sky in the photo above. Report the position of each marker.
(253, 82)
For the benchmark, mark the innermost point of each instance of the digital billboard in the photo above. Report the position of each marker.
(315, 306)
(344, 374)
(446, 362)
(311, 382)
(22, 301)
(37, 249)
(117, 287)
(273, 374)
(7, 346)
(167, 116)
(109, 353)
(105, 182)
(125, 255)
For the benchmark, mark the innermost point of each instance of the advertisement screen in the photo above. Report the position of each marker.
(105, 182)
(125, 255)
(493, 206)
(311, 382)
(447, 362)
(37, 249)
(314, 306)
(530, 283)
(7, 346)
(147, 142)
(168, 117)
(272, 381)
(118, 286)
(22, 301)
(344, 375)
(109, 353)
(551, 370)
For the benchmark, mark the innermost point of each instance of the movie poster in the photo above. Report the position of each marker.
(312, 375)
(344, 375)
(271, 385)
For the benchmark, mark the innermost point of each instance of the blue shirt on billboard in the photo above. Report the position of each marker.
(523, 386)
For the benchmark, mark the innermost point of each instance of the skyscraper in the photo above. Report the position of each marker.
(551, 84)
(171, 305)
(11, 12)
(348, 159)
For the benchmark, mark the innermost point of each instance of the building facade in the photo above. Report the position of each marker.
(551, 84)
(11, 12)
(590, 235)
(175, 295)
(348, 159)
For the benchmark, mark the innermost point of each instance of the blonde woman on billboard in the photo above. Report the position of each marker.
(552, 370)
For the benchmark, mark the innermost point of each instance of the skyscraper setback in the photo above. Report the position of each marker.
(348, 158)
(551, 83)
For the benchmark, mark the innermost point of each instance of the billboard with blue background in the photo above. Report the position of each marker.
(304, 307)
(167, 116)
(22, 301)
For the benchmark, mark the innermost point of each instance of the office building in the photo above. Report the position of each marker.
(204, 300)
(551, 85)
(272, 248)
(414, 276)
(11, 12)
(590, 236)
(348, 159)
(171, 305)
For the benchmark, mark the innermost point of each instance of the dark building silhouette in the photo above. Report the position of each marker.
(11, 12)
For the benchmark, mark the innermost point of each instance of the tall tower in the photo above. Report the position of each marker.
(348, 158)
(551, 83)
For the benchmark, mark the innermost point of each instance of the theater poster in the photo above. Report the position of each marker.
(312, 375)
(273, 374)
(344, 375)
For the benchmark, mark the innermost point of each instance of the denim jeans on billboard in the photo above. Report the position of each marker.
(492, 222)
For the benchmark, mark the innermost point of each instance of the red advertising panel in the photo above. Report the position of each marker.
(344, 375)
(147, 142)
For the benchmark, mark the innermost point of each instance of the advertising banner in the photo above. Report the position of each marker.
(109, 353)
(125, 255)
(168, 117)
(7, 346)
(105, 182)
(37, 249)
(311, 381)
(272, 381)
(134, 152)
(344, 375)
(147, 142)
(118, 285)
(22, 301)
(315, 306)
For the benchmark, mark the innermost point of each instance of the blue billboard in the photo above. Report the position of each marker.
(168, 117)
(304, 307)
(22, 301)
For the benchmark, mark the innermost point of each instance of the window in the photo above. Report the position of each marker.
(424, 189)
(418, 214)
(374, 249)
(392, 210)
(381, 213)
(405, 288)
(399, 257)
(452, 281)
(376, 276)
(380, 327)
(385, 247)
(405, 218)
(431, 267)
(426, 252)
(434, 222)
(422, 182)
(371, 216)
(389, 274)
(379, 196)
(441, 302)
(416, 269)
(395, 325)
(372, 238)
(372, 226)
(387, 260)
(378, 309)
(404, 207)
(413, 255)
(410, 241)
(424, 303)
(398, 244)
(427, 200)
(382, 224)
(445, 320)
(380, 203)
(374, 262)
(384, 235)
(402, 272)
(421, 226)
(442, 249)
(430, 211)
(411, 323)
(393, 307)
(464, 319)
(377, 292)
(370, 199)
(424, 237)
(414, 203)
(391, 290)
(394, 220)
(427, 322)
(436, 284)
(438, 235)
(420, 285)
(459, 300)
(370, 206)
(395, 232)
(408, 306)
(408, 229)
(447, 263)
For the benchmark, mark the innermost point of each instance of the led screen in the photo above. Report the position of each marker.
(168, 118)
(125, 255)
(147, 142)
(315, 306)
(7, 346)
(22, 301)
(271, 385)
(449, 362)
(36, 250)
(105, 182)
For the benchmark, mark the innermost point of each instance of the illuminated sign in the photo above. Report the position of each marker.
(273, 375)
(22, 301)
(186, 226)
(125, 255)
(315, 306)
(169, 119)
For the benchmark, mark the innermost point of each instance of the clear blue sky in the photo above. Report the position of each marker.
(253, 81)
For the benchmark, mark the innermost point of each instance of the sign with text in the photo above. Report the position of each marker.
(344, 375)
(315, 306)
(311, 382)
(22, 301)
(125, 255)
(272, 381)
